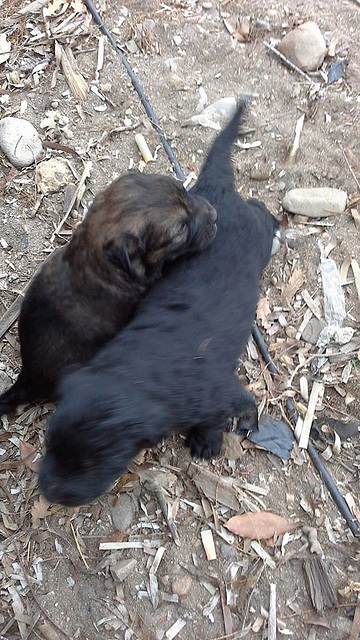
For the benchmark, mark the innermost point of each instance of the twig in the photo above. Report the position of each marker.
(288, 62)
(107, 134)
(272, 613)
(349, 165)
(298, 129)
(85, 174)
(33, 593)
(305, 432)
(78, 546)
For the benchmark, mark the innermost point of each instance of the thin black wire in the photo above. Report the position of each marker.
(140, 91)
(328, 480)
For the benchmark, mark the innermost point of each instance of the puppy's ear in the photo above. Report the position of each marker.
(126, 254)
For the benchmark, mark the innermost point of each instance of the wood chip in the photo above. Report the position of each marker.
(158, 557)
(272, 613)
(321, 590)
(112, 546)
(311, 303)
(214, 487)
(175, 629)
(256, 546)
(317, 388)
(75, 80)
(208, 542)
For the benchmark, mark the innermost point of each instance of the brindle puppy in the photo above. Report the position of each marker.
(88, 290)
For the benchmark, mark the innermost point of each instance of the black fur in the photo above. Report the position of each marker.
(173, 367)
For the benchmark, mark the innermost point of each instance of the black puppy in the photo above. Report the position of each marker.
(173, 367)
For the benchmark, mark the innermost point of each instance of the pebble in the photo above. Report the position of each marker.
(52, 175)
(207, 5)
(262, 24)
(123, 512)
(20, 141)
(313, 330)
(318, 202)
(181, 586)
(177, 40)
(227, 551)
(304, 46)
(123, 568)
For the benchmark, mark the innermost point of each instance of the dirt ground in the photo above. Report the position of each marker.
(55, 582)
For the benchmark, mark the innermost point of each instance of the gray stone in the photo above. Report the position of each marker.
(318, 202)
(5, 382)
(304, 46)
(122, 569)
(123, 512)
(20, 141)
(227, 551)
(313, 330)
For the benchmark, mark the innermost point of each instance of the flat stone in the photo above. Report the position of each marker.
(313, 330)
(181, 586)
(318, 202)
(227, 551)
(52, 175)
(20, 141)
(123, 512)
(304, 46)
(122, 569)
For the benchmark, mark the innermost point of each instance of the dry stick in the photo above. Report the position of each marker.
(308, 420)
(272, 613)
(351, 169)
(288, 62)
(85, 174)
(33, 593)
(298, 129)
(159, 493)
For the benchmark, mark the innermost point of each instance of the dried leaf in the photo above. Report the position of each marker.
(262, 312)
(296, 281)
(27, 455)
(260, 526)
(39, 510)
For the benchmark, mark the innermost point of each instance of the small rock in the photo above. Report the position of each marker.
(259, 174)
(313, 330)
(318, 202)
(282, 185)
(52, 175)
(123, 568)
(304, 46)
(123, 512)
(177, 40)
(227, 551)
(207, 5)
(5, 382)
(20, 141)
(181, 586)
(262, 24)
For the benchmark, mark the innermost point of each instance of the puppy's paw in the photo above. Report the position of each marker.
(204, 446)
(247, 420)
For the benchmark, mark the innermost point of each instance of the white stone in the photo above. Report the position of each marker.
(52, 175)
(20, 141)
(123, 568)
(316, 202)
(304, 46)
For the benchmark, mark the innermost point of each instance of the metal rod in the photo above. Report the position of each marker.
(312, 451)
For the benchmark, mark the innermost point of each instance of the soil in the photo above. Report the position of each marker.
(77, 590)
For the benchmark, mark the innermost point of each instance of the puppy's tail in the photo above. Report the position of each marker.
(14, 396)
(218, 168)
